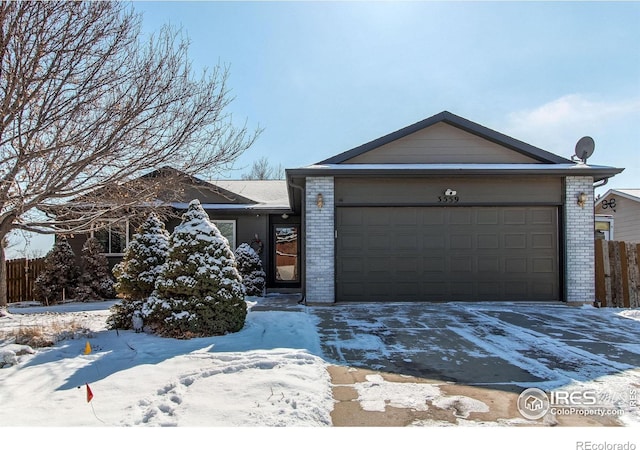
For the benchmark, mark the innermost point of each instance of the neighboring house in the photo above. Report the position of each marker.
(619, 208)
(442, 210)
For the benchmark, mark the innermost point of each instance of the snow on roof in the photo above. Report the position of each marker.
(473, 166)
(266, 193)
(631, 194)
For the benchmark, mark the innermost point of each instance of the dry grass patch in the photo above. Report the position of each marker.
(37, 336)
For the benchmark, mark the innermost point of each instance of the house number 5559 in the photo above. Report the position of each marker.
(450, 196)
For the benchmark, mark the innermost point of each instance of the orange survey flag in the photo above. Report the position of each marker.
(89, 393)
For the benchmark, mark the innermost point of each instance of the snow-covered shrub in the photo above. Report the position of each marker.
(8, 358)
(59, 276)
(146, 253)
(137, 272)
(199, 291)
(95, 282)
(250, 268)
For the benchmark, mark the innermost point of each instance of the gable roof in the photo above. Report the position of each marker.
(264, 193)
(631, 194)
(461, 123)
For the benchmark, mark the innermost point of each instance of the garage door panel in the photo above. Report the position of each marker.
(461, 241)
(405, 216)
(434, 241)
(543, 265)
(488, 289)
(488, 241)
(542, 240)
(515, 241)
(460, 216)
(447, 253)
(542, 290)
(542, 217)
(352, 241)
(378, 240)
(352, 266)
(515, 217)
(462, 264)
(434, 265)
(406, 241)
(488, 264)
(434, 290)
(433, 216)
(516, 289)
(461, 290)
(516, 265)
(487, 217)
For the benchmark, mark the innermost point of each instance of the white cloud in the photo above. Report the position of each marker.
(556, 126)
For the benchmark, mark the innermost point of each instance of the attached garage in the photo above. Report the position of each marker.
(447, 253)
(447, 210)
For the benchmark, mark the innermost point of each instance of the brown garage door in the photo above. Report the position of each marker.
(447, 253)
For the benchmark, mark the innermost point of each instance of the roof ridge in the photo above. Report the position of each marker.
(463, 124)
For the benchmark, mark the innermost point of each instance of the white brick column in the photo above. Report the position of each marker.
(320, 244)
(579, 242)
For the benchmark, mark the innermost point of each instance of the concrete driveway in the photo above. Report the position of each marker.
(478, 355)
(506, 346)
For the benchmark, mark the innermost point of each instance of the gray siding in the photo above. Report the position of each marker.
(626, 222)
(470, 191)
(438, 144)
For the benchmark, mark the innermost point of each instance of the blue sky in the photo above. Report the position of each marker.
(324, 77)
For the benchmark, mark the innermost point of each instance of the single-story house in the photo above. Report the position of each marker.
(442, 210)
(619, 207)
(253, 211)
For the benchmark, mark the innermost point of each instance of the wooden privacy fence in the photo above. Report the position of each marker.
(21, 274)
(617, 274)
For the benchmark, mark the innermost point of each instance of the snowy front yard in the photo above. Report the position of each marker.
(273, 373)
(265, 375)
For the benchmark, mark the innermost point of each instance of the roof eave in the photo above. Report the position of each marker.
(353, 170)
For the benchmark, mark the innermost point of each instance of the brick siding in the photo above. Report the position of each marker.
(579, 236)
(319, 229)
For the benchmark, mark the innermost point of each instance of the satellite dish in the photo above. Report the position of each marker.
(584, 148)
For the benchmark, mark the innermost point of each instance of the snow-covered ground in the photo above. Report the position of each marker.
(270, 374)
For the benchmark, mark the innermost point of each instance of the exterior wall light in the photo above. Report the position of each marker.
(582, 199)
(320, 201)
(285, 216)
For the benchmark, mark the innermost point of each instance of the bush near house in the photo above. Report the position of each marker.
(136, 274)
(250, 267)
(95, 282)
(199, 291)
(59, 276)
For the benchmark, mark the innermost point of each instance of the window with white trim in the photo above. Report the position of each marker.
(228, 230)
(113, 235)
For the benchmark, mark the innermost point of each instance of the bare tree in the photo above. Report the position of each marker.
(87, 105)
(263, 170)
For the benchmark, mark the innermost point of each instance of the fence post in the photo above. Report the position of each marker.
(633, 275)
